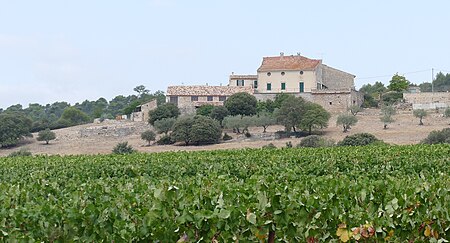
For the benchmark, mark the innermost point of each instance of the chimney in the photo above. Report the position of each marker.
(232, 73)
(281, 54)
(298, 54)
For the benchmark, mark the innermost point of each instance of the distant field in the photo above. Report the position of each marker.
(393, 193)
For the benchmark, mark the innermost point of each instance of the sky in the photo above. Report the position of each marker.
(53, 50)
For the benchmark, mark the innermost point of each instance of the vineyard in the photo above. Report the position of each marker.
(347, 194)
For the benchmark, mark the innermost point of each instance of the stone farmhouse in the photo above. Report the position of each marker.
(292, 74)
(188, 98)
(141, 112)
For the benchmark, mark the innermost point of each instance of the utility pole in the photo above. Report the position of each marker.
(432, 79)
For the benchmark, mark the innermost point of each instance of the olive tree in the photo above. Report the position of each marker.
(346, 120)
(420, 113)
(386, 115)
(46, 135)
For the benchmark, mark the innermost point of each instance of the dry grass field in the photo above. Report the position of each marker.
(405, 130)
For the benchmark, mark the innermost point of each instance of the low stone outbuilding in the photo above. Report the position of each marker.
(189, 98)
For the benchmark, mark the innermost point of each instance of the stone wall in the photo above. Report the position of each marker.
(336, 101)
(336, 80)
(427, 97)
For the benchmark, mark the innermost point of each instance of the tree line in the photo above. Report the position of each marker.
(17, 122)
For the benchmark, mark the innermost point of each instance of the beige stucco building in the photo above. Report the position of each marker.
(301, 76)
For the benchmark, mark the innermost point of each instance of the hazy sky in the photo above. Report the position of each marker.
(53, 50)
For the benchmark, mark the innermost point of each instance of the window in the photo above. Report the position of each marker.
(209, 98)
(269, 86)
(173, 99)
(194, 98)
(282, 73)
(240, 82)
(283, 86)
(331, 103)
(222, 98)
(302, 87)
(255, 84)
(301, 72)
(268, 74)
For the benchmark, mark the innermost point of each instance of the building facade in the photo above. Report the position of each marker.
(141, 112)
(303, 77)
(189, 98)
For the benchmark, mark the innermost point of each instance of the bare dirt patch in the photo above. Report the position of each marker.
(102, 137)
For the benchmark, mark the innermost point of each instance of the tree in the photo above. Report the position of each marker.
(148, 136)
(205, 130)
(13, 128)
(197, 130)
(386, 115)
(74, 116)
(237, 123)
(165, 110)
(164, 125)
(46, 135)
(219, 113)
(181, 130)
(420, 113)
(205, 110)
(290, 113)
(243, 104)
(398, 83)
(141, 90)
(346, 120)
(315, 117)
(123, 148)
(447, 112)
(354, 109)
(264, 120)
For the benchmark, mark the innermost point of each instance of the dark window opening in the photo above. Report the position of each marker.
(283, 86)
(302, 87)
(209, 98)
(222, 98)
(194, 98)
(283, 73)
(268, 74)
(255, 84)
(173, 99)
(269, 86)
(331, 103)
(301, 72)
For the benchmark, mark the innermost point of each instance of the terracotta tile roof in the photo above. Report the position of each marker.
(203, 90)
(293, 62)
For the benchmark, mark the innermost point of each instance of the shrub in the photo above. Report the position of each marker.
(123, 148)
(226, 137)
(20, 153)
(165, 140)
(148, 136)
(46, 135)
(289, 144)
(247, 134)
(359, 139)
(219, 113)
(436, 137)
(73, 116)
(269, 146)
(13, 128)
(391, 97)
(315, 141)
